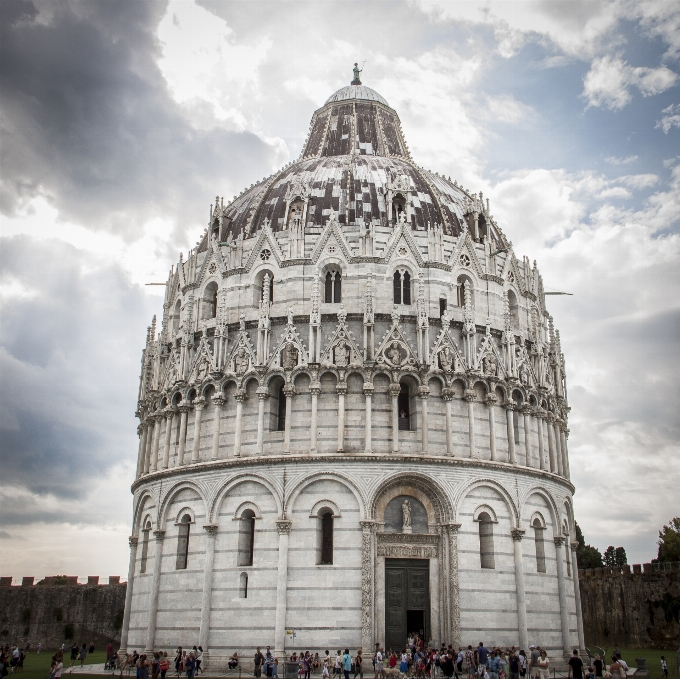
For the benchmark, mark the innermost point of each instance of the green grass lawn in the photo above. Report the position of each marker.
(38, 666)
(652, 656)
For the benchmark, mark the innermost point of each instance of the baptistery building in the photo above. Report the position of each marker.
(352, 418)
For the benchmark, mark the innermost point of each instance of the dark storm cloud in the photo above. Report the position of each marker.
(87, 121)
(68, 371)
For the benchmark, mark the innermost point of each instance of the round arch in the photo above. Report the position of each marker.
(552, 505)
(141, 510)
(326, 475)
(467, 489)
(167, 500)
(223, 491)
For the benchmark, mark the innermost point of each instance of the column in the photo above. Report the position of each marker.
(153, 604)
(526, 410)
(562, 587)
(368, 424)
(454, 589)
(577, 597)
(199, 404)
(523, 635)
(153, 460)
(447, 395)
(169, 428)
(551, 443)
(150, 425)
(289, 391)
(366, 584)
(512, 456)
(423, 393)
(141, 456)
(541, 445)
(565, 457)
(314, 390)
(218, 402)
(491, 403)
(262, 396)
(184, 411)
(240, 396)
(283, 527)
(133, 540)
(341, 388)
(558, 447)
(204, 633)
(469, 396)
(394, 393)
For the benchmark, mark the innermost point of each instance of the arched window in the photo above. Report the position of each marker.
(281, 414)
(246, 538)
(540, 545)
(514, 310)
(176, 317)
(402, 287)
(145, 546)
(209, 301)
(183, 542)
(326, 538)
(404, 408)
(398, 207)
(333, 287)
(243, 586)
(486, 540)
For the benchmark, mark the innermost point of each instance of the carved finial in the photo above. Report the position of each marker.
(242, 321)
(445, 320)
(290, 315)
(342, 314)
(395, 315)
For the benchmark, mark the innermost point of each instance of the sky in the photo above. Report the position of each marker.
(122, 120)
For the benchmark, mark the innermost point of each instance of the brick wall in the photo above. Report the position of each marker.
(633, 606)
(47, 613)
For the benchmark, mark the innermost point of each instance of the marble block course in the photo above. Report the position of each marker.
(351, 330)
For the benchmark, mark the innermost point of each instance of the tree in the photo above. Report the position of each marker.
(669, 541)
(587, 556)
(614, 557)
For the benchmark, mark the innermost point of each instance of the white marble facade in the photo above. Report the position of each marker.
(260, 416)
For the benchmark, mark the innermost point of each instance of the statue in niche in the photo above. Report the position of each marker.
(394, 354)
(489, 364)
(290, 315)
(446, 359)
(289, 356)
(406, 517)
(203, 369)
(241, 361)
(524, 374)
(342, 354)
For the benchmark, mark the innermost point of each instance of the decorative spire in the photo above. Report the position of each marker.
(368, 306)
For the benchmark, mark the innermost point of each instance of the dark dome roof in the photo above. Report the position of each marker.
(354, 155)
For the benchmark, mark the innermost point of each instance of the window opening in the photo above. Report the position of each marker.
(333, 288)
(404, 408)
(243, 586)
(540, 546)
(486, 540)
(246, 538)
(145, 547)
(183, 542)
(327, 538)
(281, 415)
(514, 310)
(442, 306)
(402, 287)
(398, 207)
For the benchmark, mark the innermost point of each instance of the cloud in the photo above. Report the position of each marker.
(609, 80)
(670, 119)
(613, 160)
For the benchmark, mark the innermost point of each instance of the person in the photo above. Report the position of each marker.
(83, 654)
(155, 665)
(316, 663)
(616, 669)
(90, 650)
(233, 661)
(591, 672)
(39, 648)
(533, 661)
(598, 666)
(575, 666)
(664, 667)
(74, 653)
(178, 660)
(337, 667)
(470, 664)
(494, 665)
(163, 664)
(358, 665)
(543, 665)
(522, 663)
(308, 665)
(513, 662)
(58, 665)
(142, 667)
(346, 664)
(109, 651)
(198, 653)
(623, 663)
(379, 668)
(258, 661)
(482, 654)
(325, 672)
(190, 665)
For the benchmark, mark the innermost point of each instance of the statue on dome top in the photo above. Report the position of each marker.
(357, 73)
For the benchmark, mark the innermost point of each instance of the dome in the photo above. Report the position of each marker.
(356, 92)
